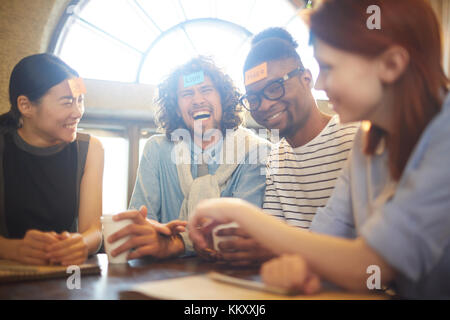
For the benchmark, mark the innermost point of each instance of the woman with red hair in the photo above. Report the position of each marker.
(390, 210)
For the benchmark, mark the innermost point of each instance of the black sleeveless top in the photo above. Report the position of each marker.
(40, 186)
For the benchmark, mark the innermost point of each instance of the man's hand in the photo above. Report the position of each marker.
(290, 272)
(242, 250)
(148, 237)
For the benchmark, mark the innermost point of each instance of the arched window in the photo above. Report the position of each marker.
(140, 41)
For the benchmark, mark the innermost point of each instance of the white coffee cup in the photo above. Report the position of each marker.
(217, 239)
(110, 227)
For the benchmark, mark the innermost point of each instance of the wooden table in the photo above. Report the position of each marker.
(115, 279)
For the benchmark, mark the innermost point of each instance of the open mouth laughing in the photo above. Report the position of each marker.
(201, 115)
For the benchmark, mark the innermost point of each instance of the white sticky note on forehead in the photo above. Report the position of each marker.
(193, 79)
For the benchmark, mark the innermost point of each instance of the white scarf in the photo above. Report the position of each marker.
(210, 186)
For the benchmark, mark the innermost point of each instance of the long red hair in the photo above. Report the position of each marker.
(420, 91)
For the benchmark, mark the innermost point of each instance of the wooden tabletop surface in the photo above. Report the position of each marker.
(116, 280)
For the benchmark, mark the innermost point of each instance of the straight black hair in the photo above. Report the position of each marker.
(32, 77)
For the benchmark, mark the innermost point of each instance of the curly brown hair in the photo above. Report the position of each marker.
(167, 116)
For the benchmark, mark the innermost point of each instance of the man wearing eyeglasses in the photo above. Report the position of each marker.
(303, 167)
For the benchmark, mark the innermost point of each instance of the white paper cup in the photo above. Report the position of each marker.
(217, 239)
(110, 227)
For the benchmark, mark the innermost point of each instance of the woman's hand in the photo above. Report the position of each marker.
(71, 249)
(290, 272)
(32, 248)
(210, 213)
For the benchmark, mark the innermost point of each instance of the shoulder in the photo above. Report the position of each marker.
(439, 125)
(337, 129)
(4, 130)
(245, 133)
(280, 148)
(157, 148)
(95, 153)
(436, 134)
(158, 141)
(95, 144)
(90, 142)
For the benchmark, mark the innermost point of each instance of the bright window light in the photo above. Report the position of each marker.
(143, 40)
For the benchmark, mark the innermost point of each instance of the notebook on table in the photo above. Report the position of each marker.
(11, 271)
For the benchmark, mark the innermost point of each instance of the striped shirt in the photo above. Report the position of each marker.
(300, 180)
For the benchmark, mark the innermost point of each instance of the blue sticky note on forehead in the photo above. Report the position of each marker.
(193, 79)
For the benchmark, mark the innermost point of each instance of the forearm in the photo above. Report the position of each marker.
(93, 238)
(8, 248)
(341, 261)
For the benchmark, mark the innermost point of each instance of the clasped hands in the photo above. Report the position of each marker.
(44, 248)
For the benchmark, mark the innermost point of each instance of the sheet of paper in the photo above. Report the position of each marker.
(202, 287)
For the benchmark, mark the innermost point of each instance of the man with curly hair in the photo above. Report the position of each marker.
(204, 153)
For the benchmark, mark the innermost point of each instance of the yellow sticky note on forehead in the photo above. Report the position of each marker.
(255, 74)
(76, 86)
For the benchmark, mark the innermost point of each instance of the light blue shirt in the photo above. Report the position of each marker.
(410, 226)
(158, 187)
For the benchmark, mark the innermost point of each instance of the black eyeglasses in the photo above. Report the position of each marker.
(273, 91)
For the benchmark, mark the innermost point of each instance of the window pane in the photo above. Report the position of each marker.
(174, 49)
(269, 13)
(115, 180)
(165, 14)
(115, 173)
(237, 11)
(194, 9)
(300, 32)
(121, 19)
(96, 57)
(226, 44)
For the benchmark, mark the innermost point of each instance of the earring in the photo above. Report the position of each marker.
(20, 122)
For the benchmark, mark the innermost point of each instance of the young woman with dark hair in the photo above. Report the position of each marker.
(50, 175)
(390, 209)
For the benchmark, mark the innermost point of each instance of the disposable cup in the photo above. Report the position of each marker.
(110, 227)
(217, 239)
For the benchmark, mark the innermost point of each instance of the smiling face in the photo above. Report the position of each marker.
(54, 119)
(289, 113)
(200, 104)
(351, 82)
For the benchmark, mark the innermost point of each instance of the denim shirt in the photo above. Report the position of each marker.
(158, 187)
(407, 223)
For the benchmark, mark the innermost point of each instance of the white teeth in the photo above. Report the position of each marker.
(275, 115)
(70, 126)
(201, 114)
